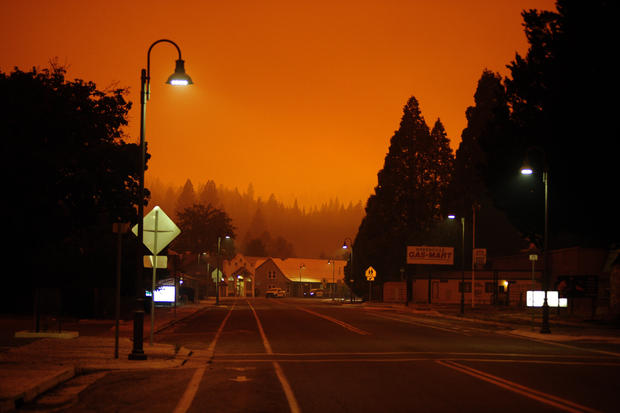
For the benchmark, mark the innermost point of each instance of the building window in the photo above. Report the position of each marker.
(467, 286)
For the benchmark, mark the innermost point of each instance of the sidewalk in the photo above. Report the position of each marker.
(518, 321)
(31, 369)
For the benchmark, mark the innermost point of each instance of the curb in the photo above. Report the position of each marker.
(16, 401)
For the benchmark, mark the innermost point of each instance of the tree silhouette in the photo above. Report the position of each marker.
(187, 197)
(562, 114)
(406, 202)
(69, 175)
(200, 228)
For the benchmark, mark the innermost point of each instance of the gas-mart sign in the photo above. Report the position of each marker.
(430, 255)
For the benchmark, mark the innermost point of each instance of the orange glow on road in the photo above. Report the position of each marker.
(298, 98)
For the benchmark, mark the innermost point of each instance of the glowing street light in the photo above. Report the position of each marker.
(348, 244)
(218, 270)
(526, 169)
(452, 217)
(179, 77)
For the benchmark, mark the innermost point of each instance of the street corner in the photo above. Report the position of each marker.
(20, 383)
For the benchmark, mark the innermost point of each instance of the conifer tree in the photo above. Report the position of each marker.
(407, 198)
(187, 197)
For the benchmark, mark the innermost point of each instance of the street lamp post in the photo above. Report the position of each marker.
(219, 270)
(349, 246)
(332, 262)
(462, 262)
(526, 169)
(301, 290)
(178, 78)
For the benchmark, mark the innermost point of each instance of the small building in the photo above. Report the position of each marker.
(297, 276)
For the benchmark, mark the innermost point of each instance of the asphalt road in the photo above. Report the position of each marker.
(305, 355)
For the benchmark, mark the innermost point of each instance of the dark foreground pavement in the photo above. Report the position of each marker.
(30, 366)
(30, 369)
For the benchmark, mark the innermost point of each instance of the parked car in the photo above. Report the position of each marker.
(275, 292)
(316, 292)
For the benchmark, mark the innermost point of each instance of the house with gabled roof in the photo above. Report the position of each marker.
(297, 276)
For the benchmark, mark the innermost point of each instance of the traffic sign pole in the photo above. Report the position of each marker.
(154, 277)
(164, 230)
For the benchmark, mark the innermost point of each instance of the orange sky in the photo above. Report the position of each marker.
(298, 97)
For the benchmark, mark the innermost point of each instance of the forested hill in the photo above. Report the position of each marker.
(317, 232)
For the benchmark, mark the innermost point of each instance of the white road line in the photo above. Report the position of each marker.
(190, 392)
(421, 324)
(555, 343)
(288, 390)
(336, 321)
(537, 395)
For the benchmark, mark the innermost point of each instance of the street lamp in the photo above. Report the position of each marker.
(301, 292)
(526, 169)
(462, 262)
(332, 262)
(178, 78)
(348, 244)
(218, 270)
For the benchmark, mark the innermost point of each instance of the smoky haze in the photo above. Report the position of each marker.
(315, 232)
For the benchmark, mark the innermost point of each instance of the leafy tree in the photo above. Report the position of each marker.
(562, 115)
(200, 228)
(69, 175)
(405, 205)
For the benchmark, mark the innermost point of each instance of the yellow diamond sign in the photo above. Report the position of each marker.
(370, 274)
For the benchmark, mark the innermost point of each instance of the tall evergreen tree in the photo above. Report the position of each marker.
(208, 194)
(187, 197)
(563, 115)
(406, 202)
(467, 189)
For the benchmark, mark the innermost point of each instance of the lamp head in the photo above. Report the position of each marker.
(451, 216)
(179, 77)
(526, 169)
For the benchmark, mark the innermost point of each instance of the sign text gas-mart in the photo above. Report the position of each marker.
(430, 255)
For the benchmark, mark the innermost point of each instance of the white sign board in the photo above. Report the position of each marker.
(537, 298)
(164, 294)
(430, 255)
(162, 261)
(159, 230)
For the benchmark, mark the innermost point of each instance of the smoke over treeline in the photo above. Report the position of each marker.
(317, 232)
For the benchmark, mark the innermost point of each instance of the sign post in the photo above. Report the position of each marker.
(118, 228)
(159, 230)
(370, 276)
(479, 258)
(533, 259)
